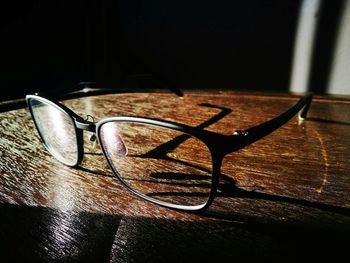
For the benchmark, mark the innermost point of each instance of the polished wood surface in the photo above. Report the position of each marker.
(287, 194)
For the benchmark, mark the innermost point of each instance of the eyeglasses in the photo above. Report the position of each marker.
(167, 163)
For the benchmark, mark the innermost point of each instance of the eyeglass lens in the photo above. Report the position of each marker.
(57, 130)
(160, 163)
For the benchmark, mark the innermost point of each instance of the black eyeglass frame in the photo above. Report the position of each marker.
(218, 144)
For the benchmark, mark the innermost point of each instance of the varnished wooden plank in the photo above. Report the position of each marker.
(270, 160)
(297, 176)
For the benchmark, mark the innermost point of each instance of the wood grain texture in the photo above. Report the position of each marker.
(286, 192)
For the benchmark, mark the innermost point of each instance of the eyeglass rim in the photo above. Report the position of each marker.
(171, 126)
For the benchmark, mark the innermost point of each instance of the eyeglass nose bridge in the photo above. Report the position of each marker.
(85, 125)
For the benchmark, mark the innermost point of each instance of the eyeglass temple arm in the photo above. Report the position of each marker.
(257, 132)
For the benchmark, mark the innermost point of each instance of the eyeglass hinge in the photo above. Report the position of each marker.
(243, 134)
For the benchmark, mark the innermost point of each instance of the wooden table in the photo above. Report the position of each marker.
(290, 198)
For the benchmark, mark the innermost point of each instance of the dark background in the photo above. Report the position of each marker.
(236, 45)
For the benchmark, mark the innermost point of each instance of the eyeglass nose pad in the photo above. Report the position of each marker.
(94, 140)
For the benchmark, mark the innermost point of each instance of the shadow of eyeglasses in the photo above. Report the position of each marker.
(228, 189)
(160, 151)
(321, 120)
